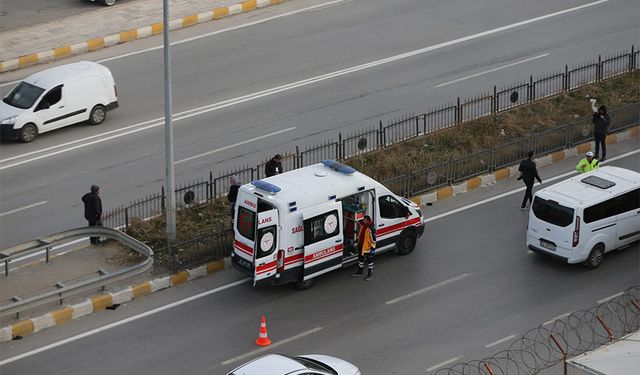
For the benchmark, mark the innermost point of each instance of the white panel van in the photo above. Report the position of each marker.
(582, 218)
(57, 97)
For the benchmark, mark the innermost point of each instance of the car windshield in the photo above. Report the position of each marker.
(24, 95)
(552, 212)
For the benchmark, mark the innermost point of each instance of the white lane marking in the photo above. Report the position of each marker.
(273, 345)
(234, 145)
(232, 28)
(500, 341)
(500, 196)
(441, 364)
(22, 208)
(121, 322)
(610, 297)
(308, 81)
(554, 319)
(491, 70)
(427, 289)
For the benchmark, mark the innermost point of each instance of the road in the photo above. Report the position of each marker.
(333, 77)
(465, 293)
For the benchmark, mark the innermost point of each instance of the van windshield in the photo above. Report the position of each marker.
(24, 95)
(552, 212)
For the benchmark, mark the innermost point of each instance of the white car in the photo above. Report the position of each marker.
(310, 364)
(105, 2)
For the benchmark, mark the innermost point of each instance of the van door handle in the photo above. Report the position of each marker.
(381, 225)
(261, 264)
(61, 106)
(338, 241)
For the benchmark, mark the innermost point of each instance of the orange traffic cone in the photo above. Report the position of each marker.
(262, 339)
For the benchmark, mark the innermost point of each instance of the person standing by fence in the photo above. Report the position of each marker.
(93, 209)
(235, 183)
(273, 166)
(601, 122)
(528, 172)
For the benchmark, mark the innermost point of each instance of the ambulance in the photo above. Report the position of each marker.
(295, 226)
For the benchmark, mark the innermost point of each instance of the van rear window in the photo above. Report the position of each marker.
(552, 212)
(246, 223)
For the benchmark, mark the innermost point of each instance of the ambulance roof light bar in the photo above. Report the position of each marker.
(266, 186)
(338, 167)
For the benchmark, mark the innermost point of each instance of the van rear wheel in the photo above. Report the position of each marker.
(304, 284)
(28, 133)
(595, 257)
(98, 114)
(407, 242)
(108, 2)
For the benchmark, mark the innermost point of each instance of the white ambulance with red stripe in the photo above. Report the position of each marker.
(297, 225)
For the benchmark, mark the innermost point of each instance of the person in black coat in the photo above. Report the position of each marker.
(93, 209)
(273, 166)
(528, 172)
(601, 123)
(232, 195)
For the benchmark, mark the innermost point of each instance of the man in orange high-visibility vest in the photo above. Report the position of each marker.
(366, 247)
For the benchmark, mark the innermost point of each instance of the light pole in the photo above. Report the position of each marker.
(170, 204)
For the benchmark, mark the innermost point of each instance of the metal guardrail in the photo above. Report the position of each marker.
(46, 243)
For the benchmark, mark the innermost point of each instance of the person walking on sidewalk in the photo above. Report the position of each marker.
(601, 123)
(273, 166)
(366, 247)
(587, 164)
(528, 172)
(93, 209)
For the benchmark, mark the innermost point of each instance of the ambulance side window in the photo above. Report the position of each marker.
(246, 223)
(390, 208)
(321, 227)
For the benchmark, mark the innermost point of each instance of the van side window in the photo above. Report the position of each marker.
(612, 207)
(321, 227)
(390, 208)
(52, 97)
(246, 223)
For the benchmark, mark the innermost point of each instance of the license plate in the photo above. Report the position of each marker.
(548, 245)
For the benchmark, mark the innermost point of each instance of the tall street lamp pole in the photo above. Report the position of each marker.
(170, 204)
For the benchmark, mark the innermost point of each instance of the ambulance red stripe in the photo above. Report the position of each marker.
(293, 259)
(266, 267)
(397, 227)
(242, 247)
(323, 253)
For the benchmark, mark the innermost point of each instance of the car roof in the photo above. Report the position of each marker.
(269, 364)
(575, 191)
(52, 77)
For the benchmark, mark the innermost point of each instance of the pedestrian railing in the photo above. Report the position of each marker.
(68, 288)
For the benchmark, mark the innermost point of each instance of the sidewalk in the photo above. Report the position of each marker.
(108, 26)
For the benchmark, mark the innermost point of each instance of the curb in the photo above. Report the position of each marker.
(512, 171)
(104, 301)
(132, 34)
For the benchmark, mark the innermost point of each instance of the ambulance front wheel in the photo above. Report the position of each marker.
(303, 285)
(407, 242)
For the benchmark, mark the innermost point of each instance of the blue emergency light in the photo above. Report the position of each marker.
(338, 167)
(268, 187)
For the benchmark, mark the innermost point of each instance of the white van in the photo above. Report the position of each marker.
(57, 97)
(298, 225)
(582, 218)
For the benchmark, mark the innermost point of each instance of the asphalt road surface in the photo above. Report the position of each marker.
(257, 88)
(466, 292)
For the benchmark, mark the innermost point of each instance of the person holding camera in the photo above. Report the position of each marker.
(601, 123)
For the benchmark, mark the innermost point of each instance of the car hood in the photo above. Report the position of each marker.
(341, 366)
(7, 111)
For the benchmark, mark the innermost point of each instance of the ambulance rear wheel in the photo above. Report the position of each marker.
(304, 284)
(407, 242)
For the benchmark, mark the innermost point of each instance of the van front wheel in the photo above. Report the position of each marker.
(28, 133)
(98, 114)
(407, 242)
(595, 257)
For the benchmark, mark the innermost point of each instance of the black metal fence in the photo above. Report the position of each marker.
(411, 126)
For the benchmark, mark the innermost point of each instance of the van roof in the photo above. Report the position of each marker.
(52, 77)
(574, 191)
(316, 183)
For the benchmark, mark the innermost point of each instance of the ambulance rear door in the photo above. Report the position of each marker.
(267, 241)
(323, 239)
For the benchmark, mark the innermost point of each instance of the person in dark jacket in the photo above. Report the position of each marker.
(232, 195)
(601, 123)
(93, 209)
(273, 166)
(528, 172)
